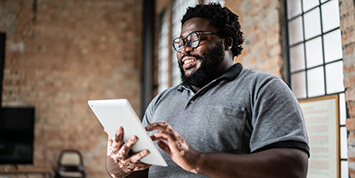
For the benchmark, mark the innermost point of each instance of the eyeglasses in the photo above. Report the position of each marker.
(192, 39)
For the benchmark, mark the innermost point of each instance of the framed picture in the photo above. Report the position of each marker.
(322, 122)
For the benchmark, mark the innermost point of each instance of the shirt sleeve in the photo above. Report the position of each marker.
(277, 118)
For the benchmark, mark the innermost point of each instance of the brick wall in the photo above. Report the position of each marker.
(260, 21)
(59, 54)
(347, 26)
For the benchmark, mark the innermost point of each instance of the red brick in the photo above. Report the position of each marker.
(350, 124)
(349, 68)
(350, 95)
(349, 78)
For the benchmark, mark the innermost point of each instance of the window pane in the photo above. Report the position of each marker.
(309, 4)
(332, 46)
(344, 169)
(297, 57)
(330, 15)
(178, 10)
(295, 30)
(293, 8)
(312, 23)
(343, 143)
(298, 84)
(342, 108)
(334, 74)
(314, 53)
(315, 82)
(163, 64)
(219, 1)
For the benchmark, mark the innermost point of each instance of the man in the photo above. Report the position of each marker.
(223, 120)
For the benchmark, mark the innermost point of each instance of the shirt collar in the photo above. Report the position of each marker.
(232, 72)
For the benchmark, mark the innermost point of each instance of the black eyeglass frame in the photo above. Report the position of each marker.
(184, 40)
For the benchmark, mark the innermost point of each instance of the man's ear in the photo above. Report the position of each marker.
(228, 43)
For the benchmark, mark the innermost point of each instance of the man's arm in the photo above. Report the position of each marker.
(283, 162)
(277, 162)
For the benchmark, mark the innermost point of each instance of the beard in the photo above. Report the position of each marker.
(209, 69)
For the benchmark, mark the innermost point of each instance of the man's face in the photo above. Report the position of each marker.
(200, 65)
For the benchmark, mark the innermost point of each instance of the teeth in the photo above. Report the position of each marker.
(189, 61)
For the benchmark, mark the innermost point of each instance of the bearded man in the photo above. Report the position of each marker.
(222, 120)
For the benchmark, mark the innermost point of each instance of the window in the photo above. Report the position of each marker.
(218, 1)
(178, 10)
(163, 53)
(315, 56)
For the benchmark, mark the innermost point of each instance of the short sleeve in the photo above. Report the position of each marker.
(277, 118)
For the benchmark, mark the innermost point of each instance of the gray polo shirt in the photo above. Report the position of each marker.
(243, 111)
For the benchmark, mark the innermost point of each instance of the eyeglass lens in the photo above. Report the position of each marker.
(192, 40)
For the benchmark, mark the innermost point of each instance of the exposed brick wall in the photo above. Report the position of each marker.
(59, 54)
(347, 26)
(260, 21)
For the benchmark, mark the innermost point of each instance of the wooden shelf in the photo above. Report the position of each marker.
(44, 171)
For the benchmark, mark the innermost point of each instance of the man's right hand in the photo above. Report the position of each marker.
(118, 161)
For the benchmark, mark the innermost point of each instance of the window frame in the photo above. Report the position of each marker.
(323, 65)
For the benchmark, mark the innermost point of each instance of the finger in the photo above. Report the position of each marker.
(168, 136)
(137, 167)
(164, 146)
(172, 143)
(119, 134)
(124, 150)
(158, 126)
(135, 158)
(115, 147)
(140, 166)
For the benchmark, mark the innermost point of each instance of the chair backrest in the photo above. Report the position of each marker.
(70, 165)
(70, 158)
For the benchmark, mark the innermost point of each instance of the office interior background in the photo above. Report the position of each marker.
(58, 54)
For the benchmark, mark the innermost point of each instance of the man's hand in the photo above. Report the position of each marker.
(118, 162)
(175, 145)
(276, 162)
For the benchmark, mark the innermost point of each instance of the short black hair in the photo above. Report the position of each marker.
(223, 19)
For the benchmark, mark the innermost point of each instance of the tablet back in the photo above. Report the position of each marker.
(113, 113)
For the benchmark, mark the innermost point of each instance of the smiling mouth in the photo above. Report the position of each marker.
(188, 61)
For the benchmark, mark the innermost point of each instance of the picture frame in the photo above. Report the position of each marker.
(321, 116)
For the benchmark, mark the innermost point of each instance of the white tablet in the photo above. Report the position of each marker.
(113, 113)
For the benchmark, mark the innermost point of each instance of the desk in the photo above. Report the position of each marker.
(46, 172)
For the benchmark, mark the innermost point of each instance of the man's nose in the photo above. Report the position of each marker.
(186, 48)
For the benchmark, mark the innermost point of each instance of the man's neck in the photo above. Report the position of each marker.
(223, 70)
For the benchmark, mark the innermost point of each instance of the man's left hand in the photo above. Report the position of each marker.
(175, 145)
